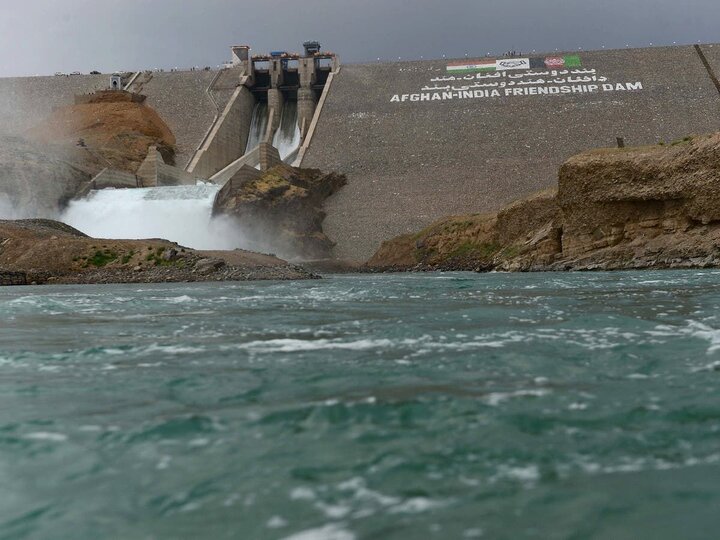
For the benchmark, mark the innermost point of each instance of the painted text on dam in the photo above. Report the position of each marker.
(512, 92)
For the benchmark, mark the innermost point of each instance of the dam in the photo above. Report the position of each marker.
(417, 140)
(422, 140)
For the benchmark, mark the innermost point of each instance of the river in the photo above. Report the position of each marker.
(394, 407)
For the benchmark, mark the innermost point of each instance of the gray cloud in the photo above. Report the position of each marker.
(44, 36)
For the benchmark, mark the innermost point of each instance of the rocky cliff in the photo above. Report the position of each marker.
(282, 209)
(41, 171)
(648, 207)
(107, 129)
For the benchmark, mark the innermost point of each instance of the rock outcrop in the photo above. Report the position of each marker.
(282, 209)
(649, 207)
(108, 129)
(56, 159)
(43, 251)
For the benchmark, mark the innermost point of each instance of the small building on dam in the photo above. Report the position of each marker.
(417, 140)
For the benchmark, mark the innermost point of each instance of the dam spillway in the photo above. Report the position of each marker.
(287, 137)
(258, 126)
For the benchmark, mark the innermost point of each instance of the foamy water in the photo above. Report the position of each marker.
(287, 137)
(394, 406)
(258, 126)
(181, 214)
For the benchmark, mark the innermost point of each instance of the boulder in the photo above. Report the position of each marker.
(282, 209)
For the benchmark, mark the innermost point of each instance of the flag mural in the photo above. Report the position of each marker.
(562, 62)
(512, 63)
(471, 67)
(508, 64)
(560, 75)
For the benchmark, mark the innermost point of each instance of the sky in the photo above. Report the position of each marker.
(47, 36)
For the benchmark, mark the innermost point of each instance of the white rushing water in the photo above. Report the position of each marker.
(287, 137)
(258, 126)
(182, 214)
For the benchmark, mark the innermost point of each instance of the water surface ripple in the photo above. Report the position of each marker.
(546, 406)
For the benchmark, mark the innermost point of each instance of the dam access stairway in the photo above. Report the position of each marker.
(271, 113)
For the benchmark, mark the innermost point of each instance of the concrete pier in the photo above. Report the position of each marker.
(276, 101)
(306, 109)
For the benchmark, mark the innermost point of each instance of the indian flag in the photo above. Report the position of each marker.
(559, 62)
(472, 67)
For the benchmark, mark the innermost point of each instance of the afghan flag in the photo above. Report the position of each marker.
(573, 61)
(472, 66)
(560, 62)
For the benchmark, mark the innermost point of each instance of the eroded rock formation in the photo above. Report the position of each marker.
(115, 129)
(282, 209)
(648, 207)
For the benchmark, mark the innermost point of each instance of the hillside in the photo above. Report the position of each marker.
(116, 131)
(647, 207)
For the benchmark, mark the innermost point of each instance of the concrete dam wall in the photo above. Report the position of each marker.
(419, 142)
(26, 101)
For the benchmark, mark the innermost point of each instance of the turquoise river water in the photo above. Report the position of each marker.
(448, 406)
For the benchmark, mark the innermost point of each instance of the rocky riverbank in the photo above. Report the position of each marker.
(632, 208)
(44, 252)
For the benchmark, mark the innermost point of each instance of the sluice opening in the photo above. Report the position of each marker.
(258, 126)
(287, 137)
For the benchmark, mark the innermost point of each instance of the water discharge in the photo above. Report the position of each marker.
(258, 126)
(287, 137)
(182, 214)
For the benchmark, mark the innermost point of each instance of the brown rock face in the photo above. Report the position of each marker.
(115, 129)
(635, 199)
(473, 242)
(282, 210)
(650, 207)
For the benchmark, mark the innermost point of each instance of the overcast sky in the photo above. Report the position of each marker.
(45, 36)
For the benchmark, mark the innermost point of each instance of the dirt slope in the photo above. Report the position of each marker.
(116, 131)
